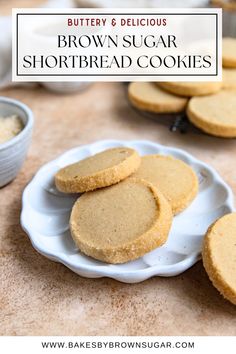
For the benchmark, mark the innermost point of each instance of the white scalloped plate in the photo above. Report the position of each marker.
(45, 216)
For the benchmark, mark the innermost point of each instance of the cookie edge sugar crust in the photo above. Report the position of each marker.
(228, 61)
(206, 89)
(155, 237)
(158, 106)
(211, 268)
(184, 202)
(100, 179)
(207, 126)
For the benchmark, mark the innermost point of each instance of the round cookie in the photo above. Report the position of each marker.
(229, 79)
(219, 255)
(101, 170)
(229, 52)
(225, 4)
(122, 222)
(189, 89)
(215, 114)
(149, 97)
(174, 178)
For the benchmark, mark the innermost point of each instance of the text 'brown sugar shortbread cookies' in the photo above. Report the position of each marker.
(229, 79)
(229, 52)
(215, 114)
(219, 255)
(149, 97)
(122, 222)
(189, 89)
(101, 170)
(174, 178)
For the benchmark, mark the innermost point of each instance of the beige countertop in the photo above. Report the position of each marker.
(41, 297)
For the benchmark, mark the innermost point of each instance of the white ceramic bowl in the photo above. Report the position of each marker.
(13, 151)
(66, 87)
(46, 212)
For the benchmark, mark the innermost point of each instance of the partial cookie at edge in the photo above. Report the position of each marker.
(219, 255)
(189, 89)
(215, 114)
(229, 52)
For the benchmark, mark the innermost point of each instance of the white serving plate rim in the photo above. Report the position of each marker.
(158, 270)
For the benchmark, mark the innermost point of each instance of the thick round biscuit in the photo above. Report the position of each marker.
(101, 170)
(174, 178)
(229, 52)
(219, 255)
(225, 4)
(122, 222)
(215, 114)
(229, 79)
(149, 97)
(189, 89)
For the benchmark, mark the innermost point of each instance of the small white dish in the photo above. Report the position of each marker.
(45, 218)
(66, 87)
(13, 151)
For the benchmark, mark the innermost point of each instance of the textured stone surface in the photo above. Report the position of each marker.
(40, 297)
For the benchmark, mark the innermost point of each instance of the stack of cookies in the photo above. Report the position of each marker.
(128, 202)
(127, 207)
(210, 106)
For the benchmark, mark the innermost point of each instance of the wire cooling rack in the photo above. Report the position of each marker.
(175, 122)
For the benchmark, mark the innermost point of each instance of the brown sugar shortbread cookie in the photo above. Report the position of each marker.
(219, 255)
(229, 52)
(215, 114)
(225, 4)
(229, 79)
(101, 170)
(174, 178)
(122, 222)
(190, 89)
(149, 97)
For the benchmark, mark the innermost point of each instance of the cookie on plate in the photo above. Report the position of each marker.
(229, 52)
(101, 170)
(122, 222)
(219, 255)
(189, 89)
(215, 114)
(149, 97)
(174, 178)
(225, 4)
